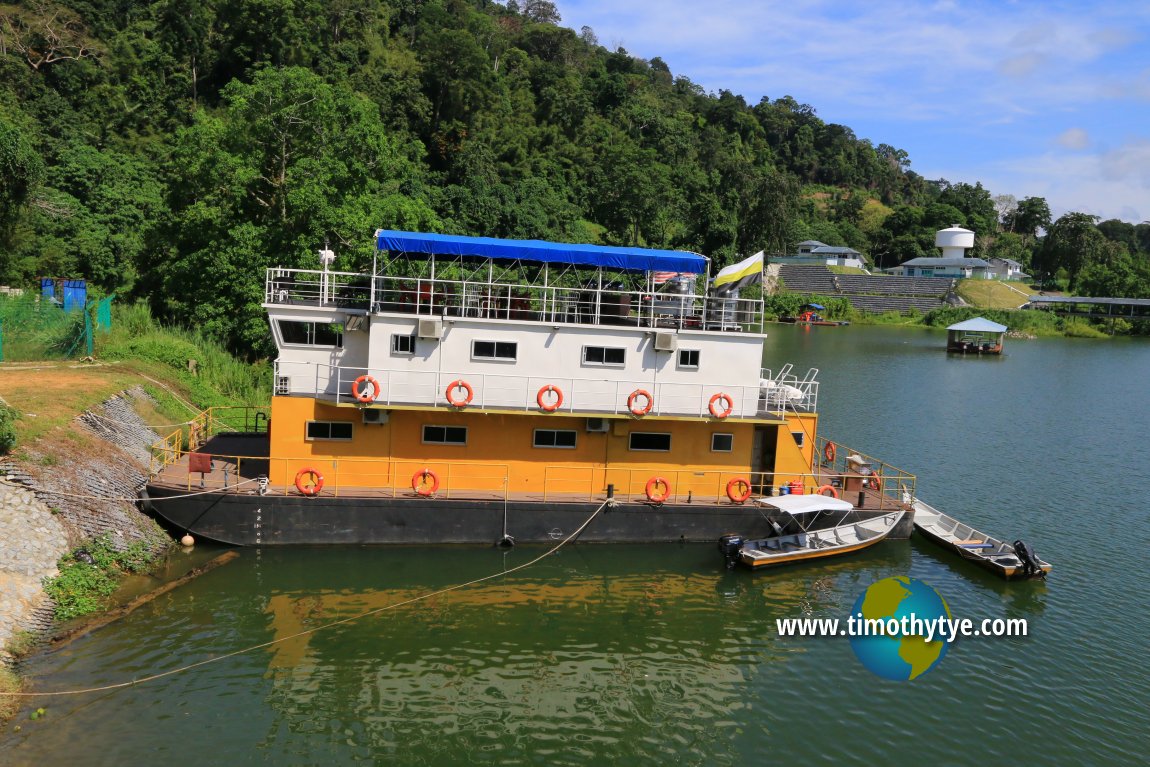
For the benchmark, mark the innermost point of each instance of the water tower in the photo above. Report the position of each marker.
(954, 241)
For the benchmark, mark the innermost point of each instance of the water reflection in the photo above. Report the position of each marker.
(607, 654)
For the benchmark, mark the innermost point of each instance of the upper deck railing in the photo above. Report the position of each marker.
(595, 302)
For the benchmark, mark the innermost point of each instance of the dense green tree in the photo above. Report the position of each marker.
(21, 171)
(1071, 243)
(1120, 232)
(289, 163)
(1031, 215)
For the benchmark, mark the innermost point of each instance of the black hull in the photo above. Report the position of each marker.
(253, 520)
(286, 520)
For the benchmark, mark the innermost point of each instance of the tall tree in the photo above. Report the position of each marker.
(21, 171)
(1032, 214)
(1071, 243)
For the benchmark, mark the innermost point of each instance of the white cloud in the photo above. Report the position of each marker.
(1074, 138)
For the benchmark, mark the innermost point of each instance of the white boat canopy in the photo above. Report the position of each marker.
(805, 504)
(978, 325)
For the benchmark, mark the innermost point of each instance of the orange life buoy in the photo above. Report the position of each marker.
(553, 406)
(316, 483)
(654, 497)
(424, 488)
(363, 396)
(459, 384)
(873, 482)
(829, 452)
(640, 410)
(736, 495)
(822, 491)
(724, 412)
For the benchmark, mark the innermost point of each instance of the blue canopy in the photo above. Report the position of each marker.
(636, 259)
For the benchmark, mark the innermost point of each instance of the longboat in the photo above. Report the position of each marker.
(811, 537)
(1010, 561)
(480, 390)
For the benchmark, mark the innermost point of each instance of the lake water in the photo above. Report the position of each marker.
(655, 654)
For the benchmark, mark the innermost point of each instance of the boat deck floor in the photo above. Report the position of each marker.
(242, 458)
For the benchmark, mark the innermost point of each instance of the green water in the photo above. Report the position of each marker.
(655, 654)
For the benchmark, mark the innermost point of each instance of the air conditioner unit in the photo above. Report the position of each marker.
(665, 342)
(430, 328)
(600, 425)
(375, 415)
(355, 322)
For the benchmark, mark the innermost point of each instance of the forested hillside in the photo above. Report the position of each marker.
(172, 150)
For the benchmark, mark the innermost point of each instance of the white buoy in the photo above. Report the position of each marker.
(188, 540)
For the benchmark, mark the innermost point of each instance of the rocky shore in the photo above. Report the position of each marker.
(59, 495)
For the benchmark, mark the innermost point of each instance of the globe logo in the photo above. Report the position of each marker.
(904, 604)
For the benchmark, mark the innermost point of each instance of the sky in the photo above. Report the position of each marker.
(1032, 99)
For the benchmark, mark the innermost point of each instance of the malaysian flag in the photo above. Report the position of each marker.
(658, 278)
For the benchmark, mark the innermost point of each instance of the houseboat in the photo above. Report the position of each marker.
(975, 336)
(477, 390)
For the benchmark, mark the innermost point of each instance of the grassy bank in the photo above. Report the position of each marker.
(1025, 321)
(91, 574)
(182, 371)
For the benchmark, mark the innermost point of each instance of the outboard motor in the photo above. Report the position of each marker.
(1030, 565)
(729, 546)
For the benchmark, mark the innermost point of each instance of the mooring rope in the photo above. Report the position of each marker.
(305, 632)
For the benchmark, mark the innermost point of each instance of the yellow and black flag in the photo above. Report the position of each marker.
(746, 272)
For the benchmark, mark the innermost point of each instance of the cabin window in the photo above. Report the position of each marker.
(722, 443)
(311, 333)
(445, 435)
(562, 438)
(798, 435)
(402, 344)
(335, 430)
(494, 350)
(649, 441)
(689, 359)
(604, 355)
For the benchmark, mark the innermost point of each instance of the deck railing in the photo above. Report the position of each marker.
(206, 424)
(499, 391)
(393, 478)
(852, 468)
(595, 303)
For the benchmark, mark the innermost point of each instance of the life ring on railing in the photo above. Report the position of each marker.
(822, 491)
(420, 486)
(316, 483)
(873, 482)
(653, 496)
(724, 412)
(552, 407)
(363, 396)
(736, 495)
(459, 384)
(829, 452)
(640, 410)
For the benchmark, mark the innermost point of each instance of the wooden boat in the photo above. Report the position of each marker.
(810, 316)
(1010, 561)
(848, 532)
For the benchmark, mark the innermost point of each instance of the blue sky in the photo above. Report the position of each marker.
(1033, 99)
